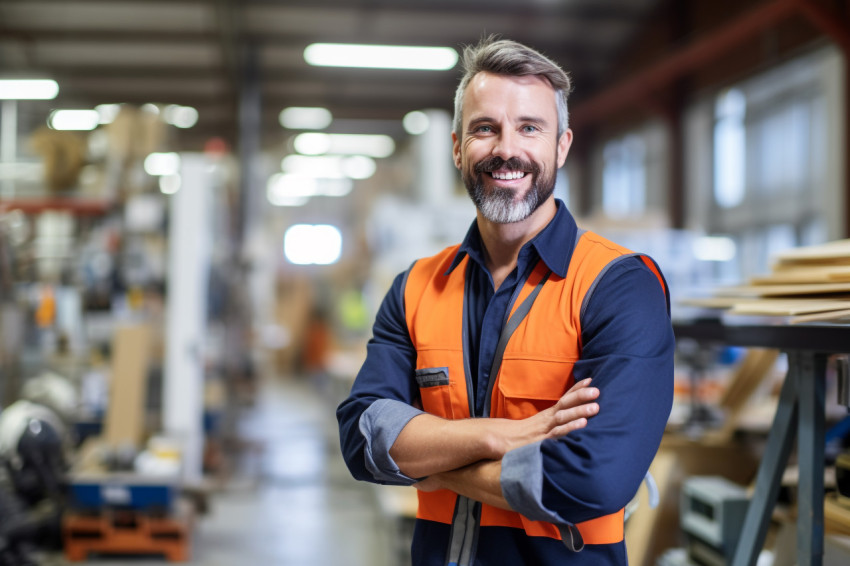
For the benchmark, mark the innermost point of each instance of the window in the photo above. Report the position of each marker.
(624, 177)
(768, 165)
(729, 148)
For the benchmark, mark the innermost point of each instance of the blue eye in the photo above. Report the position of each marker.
(529, 129)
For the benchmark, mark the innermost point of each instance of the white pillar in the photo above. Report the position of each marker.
(8, 146)
(189, 243)
(437, 174)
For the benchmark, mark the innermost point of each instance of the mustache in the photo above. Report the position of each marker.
(495, 162)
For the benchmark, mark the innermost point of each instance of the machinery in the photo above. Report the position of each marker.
(712, 511)
(32, 481)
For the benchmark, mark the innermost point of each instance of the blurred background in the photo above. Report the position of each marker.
(203, 202)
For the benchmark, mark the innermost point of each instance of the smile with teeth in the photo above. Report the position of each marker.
(508, 175)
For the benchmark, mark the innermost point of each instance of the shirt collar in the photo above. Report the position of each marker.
(553, 245)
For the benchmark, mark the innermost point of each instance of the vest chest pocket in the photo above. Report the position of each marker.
(434, 389)
(527, 387)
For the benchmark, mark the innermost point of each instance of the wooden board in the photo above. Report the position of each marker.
(803, 274)
(837, 251)
(749, 374)
(836, 515)
(842, 314)
(709, 302)
(788, 307)
(128, 386)
(786, 290)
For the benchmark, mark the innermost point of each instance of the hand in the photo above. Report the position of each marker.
(568, 414)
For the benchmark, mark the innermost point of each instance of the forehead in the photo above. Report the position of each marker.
(489, 93)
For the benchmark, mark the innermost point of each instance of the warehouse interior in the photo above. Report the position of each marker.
(189, 279)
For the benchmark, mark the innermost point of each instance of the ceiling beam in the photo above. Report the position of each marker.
(633, 90)
(622, 12)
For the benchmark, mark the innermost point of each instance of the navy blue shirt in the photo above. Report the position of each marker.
(627, 350)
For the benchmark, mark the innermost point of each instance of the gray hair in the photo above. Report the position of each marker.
(506, 57)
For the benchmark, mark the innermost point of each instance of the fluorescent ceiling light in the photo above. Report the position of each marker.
(282, 187)
(28, 89)
(293, 189)
(380, 56)
(107, 112)
(150, 108)
(305, 244)
(180, 116)
(162, 164)
(305, 118)
(73, 119)
(170, 184)
(358, 167)
(329, 166)
(415, 122)
(372, 145)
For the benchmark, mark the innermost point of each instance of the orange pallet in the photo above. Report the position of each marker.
(125, 532)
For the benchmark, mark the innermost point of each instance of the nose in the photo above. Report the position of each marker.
(506, 144)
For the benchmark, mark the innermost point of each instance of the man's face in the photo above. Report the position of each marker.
(509, 149)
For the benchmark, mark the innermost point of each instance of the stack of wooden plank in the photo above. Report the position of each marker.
(806, 284)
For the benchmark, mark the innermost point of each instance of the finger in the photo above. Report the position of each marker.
(580, 384)
(572, 398)
(567, 428)
(574, 413)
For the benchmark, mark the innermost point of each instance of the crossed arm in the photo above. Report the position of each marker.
(465, 455)
(628, 349)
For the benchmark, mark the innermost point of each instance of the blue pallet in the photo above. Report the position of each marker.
(124, 494)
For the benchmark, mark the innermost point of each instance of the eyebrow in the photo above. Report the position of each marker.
(522, 119)
(533, 120)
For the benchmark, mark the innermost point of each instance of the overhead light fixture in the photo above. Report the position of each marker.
(28, 89)
(329, 166)
(306, 244)
(180, 116)
(305, 118)
(282, 187)
(380, 56)
(415, 123)
(150, 108)
(158, 164)
(107, 113)
(294, 189)
(73, 119)
(170, 184)
(371, 145)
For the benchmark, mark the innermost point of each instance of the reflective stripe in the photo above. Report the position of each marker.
(464, 536)
(508, 330)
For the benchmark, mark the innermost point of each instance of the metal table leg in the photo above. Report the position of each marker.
(769, 476)
(810, 370)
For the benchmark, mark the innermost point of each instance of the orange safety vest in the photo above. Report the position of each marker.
(536, 364)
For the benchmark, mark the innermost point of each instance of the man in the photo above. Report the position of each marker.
(512, 325)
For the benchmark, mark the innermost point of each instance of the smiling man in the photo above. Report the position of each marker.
(476, 388)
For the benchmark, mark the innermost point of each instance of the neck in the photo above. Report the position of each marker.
(502, 242)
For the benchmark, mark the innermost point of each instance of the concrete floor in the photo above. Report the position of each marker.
(292, 502)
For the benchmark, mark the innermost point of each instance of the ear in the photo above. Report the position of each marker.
(564, 147)
(456, 150)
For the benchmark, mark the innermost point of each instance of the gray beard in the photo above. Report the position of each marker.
(498, 205)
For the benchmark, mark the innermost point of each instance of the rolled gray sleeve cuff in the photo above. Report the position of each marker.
(380, 425)
(522, 482)
(522, 486)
